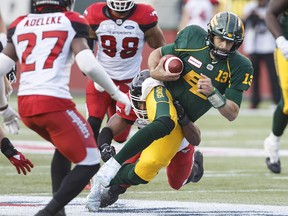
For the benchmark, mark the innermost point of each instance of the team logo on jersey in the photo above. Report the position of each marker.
(154, 13)
(107, 27)
(129, 27)
(119, 21)
(195, 62)
(210, 67)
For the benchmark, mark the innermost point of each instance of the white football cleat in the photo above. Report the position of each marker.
(94, 197)
(107, 172)
(272, 149)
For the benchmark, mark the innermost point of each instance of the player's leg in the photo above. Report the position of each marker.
(97, 103)
(124, 87)
(75, 142)
(180, 167)
(280, 117)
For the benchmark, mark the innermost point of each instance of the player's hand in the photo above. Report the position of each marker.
(21, 163)
(107, 151)
(123, 98)
(282, 44)
(182, 117)
(11, 120)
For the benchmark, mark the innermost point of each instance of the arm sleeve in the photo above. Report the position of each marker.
(89, 65)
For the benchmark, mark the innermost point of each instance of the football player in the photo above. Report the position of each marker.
(45, 43)
(121, 28)
(277, 22)
(179, 170)
(214, 75)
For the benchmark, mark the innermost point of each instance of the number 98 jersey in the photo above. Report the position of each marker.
(120, 41)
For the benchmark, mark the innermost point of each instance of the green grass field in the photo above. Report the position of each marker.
(227, 179)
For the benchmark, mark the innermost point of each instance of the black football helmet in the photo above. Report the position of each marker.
(135, 93)
(119, 5)
(228, 26)
(49, 6)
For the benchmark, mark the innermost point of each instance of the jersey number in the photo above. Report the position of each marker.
(32, 40)
(129, 45)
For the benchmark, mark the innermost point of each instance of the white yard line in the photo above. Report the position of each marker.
(29, 205)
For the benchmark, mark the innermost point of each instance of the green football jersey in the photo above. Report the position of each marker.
(230, 76)
(284, 23)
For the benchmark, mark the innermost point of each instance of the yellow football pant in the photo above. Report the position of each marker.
(282, 69)
(161, 151)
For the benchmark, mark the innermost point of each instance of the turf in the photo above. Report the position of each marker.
(227, 179)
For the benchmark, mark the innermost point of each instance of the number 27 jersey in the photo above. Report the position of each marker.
(43, 46)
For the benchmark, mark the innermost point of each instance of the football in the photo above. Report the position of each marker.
(173, 64)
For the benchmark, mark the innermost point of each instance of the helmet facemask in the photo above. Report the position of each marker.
(135, 91)
(120, 6)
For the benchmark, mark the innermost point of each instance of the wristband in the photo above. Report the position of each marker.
(184, 121)
(7, 148)
(216, 99)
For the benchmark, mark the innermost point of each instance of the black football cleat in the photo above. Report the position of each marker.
(273, 167)
(197, 169)
(111, 195)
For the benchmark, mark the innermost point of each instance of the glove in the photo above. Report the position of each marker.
(21, 163)
(10, 119)
(182, 117)
(107, 151)
(282, 44)
(16, 158)
(122, 98)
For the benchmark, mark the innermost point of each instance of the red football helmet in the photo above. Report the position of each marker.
(119, 5)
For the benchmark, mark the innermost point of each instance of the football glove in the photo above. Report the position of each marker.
(122, 98)
(10, 119)
(282, 44)
(182, 117)
(21, 163)
(107, 151)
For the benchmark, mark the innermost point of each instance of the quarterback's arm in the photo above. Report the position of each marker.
(154, 37)
(155, 64)
(229, 109)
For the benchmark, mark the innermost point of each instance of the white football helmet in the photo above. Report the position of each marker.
(135, 91)
(119, 5)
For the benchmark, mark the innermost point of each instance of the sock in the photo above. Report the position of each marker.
(71, 186)
(280, 121)
(60, 167)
